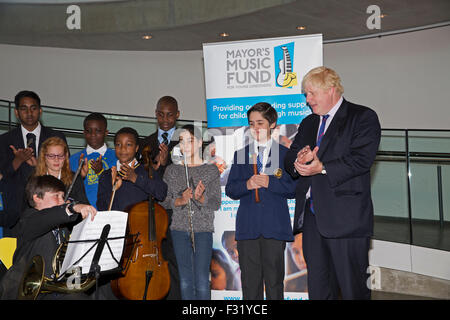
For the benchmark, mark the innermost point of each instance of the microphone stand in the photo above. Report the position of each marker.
(80, 165)
(191, 212)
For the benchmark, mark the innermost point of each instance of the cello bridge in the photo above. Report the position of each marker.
(153, 256)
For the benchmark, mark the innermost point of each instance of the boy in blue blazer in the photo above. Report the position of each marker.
(258, 179)
(97, 156)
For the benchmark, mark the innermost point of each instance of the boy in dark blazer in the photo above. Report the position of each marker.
(331, 156)
(264, 226)
(40, 230)
(20, 146)
(161, 142)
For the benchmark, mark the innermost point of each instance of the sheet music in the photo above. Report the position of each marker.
(92, 230)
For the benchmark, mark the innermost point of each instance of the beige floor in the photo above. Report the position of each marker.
(380, 295)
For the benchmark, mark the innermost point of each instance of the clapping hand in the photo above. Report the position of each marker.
(116, 180)
(97, 165)
(23, 155)
(199, 192)
(185, 197)
(314, 167)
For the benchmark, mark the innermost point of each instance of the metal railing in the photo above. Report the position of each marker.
(425, 156)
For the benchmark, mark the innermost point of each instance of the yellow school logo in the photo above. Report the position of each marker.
(278, 173)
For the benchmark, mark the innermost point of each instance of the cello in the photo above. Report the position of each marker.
(145, 275)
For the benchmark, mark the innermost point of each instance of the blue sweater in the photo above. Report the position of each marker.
(91, 180)
(270, 217)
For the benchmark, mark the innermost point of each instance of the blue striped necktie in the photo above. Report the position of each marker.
(319, 139)
(322, 129)
(165, 136)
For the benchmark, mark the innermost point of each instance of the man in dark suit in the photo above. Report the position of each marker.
(19, 147)
(331, 156)
(161, 144)
(40, 231)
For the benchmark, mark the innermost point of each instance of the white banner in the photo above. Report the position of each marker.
(237, 76)
(240, 74)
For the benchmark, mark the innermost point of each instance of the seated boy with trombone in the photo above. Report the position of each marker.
(41, 229)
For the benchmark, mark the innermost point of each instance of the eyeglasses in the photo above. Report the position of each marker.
(52, 156)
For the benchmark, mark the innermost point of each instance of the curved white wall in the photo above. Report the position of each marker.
(106, 81)
(405, 78)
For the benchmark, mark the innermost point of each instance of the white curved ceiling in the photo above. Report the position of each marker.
(187, 24)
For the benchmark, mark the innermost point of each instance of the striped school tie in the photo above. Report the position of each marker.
(259, 158)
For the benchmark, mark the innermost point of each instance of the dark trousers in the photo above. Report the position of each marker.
(262, 265)
(336, 267)
(168, 253)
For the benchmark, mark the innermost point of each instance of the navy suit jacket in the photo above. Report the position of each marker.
(342, 200)
(14, 137)
(35, 237)
(153, 142)
(270, 217)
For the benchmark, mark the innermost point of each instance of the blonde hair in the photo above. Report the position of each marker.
(324, 78)
(41, 167)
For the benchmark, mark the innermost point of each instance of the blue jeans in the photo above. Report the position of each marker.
(193, 268)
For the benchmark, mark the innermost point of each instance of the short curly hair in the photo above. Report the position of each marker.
(324, 78)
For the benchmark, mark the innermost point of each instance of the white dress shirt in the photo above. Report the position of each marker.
(100, 150)
(267, 145)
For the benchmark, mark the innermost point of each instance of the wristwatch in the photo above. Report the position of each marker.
(324, 171)
(70, 207)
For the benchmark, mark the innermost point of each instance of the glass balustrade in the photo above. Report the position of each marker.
(389, 189)
(71, 123)
(429, 152)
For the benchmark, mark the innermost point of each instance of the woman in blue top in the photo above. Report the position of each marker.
(264, 226)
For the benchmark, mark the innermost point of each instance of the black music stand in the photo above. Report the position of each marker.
(95, 268)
